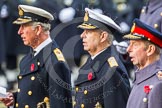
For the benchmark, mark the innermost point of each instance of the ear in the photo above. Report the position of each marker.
(150, 50)
(103, 36)
(38, 29)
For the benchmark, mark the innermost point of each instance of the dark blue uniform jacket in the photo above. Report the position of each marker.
(44, 76)
(102, 82)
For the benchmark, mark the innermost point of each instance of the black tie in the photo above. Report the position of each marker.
(32, 52)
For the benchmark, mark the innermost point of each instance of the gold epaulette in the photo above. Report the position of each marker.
(59, 54)
(112, 62)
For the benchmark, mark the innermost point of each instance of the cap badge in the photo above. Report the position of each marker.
(86, 17)
(133, 27)
(21, 12)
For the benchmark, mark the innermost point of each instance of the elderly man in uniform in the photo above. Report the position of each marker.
(102, 80)
(44, 79)
(144, 51)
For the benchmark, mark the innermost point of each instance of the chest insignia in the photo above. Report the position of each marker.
(147, 90)
(112, 62)
(32, 67)
(59, 54)
(90, 76)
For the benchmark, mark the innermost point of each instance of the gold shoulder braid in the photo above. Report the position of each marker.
(44, 104)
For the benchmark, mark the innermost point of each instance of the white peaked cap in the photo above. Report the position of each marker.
(93, 20)
(30, 13)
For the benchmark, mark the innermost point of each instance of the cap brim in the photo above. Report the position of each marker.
(87, 26)
(20, 21)
(132, 37)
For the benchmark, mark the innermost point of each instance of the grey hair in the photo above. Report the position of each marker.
(157, 48)
(110, 37)
(160, 51)
(46, 26)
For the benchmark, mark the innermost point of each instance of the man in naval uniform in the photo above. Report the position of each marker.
(144, 51)
(44, 79)
(102, 80)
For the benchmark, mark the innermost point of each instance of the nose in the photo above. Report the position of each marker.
(82, 35)
(20, 30)
(129, 48)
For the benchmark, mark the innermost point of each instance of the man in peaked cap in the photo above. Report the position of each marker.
(43, 71)
(144, 51)
(102, 80)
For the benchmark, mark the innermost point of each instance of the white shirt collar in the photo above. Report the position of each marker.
(93, 57)
(42, 45)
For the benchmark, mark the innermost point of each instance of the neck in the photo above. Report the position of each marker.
(39, 40)
(98, 49)
(149, 60)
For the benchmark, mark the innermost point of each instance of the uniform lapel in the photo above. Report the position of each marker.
(31, 64)
(92, 67)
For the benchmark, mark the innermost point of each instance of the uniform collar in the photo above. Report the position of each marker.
(102, 57)
(42, 45)
(147, 72)
(93, 57)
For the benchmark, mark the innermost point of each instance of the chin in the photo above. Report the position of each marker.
(86, 49)
(135, 63)
(25, 43)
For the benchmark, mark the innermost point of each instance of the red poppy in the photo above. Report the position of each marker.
(32, 67)
(90, 75)
(147, 89)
